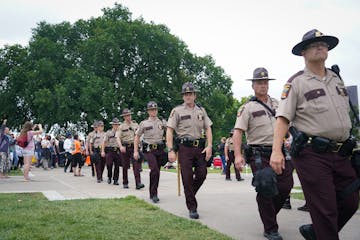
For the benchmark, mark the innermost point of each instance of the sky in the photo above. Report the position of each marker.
(240, 35)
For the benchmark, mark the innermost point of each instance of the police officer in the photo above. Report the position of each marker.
(95, 150)
(126, 135)
(230, 158)
(191, 124)
(153, 146)
(87, 146)
(111, 151)
(257, 119)
(316, 102)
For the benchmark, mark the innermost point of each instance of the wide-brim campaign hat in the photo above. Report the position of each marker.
(151, 105)
(260, 74)
(100, 123)
(188, 87)
(314, 36)
(126, 112)
(115, 121)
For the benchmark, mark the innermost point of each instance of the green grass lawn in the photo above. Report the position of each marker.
(32, 216)
(16, 172)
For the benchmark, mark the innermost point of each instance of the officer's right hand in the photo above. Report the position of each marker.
(136, 156)
(123, 149)
(171, 156)
(87, 153)
(239, 162)
(277, 161)
(103, 154)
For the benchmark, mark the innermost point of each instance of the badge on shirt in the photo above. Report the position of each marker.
(285, 91)
(200, 117)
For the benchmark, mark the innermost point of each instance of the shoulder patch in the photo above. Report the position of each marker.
(285, 91)
(172, 113)
(294, 76)
(241, 109)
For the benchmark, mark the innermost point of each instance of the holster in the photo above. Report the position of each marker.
(299, 141)
(248, 153)
(348, 147)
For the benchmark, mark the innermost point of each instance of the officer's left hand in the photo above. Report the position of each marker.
(277, 162)
(103, 154)
(208, 153)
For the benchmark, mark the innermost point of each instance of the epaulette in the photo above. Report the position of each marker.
(198, 104)
(294, 76)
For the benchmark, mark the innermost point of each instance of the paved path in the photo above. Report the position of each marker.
(228, 207)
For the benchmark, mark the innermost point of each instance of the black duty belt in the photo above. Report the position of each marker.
(261, 148)
(96, 149)
(128, 144)
(198, 143)
(111, 149)
(148, 146)
(321, 144)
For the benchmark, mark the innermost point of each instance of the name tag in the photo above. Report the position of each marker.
(148, 128)
(185, 117)
(258, 113)
(313, 94)
(125, 130)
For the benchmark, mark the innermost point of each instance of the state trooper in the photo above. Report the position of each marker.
(87, 146)
(257, 119)
(126, 135)
(316, 103)
(111, 151)
(194, 139)
(230, 158)
(95, 150)
(152, 130)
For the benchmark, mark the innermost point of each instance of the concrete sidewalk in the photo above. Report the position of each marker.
(226, 206)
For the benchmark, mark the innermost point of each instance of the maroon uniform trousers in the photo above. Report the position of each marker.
(321, 176)
(270, 207)
(154, 158)
(228, 165)
(128, 157)
(100, 165)
(190, 157)
(113, 159)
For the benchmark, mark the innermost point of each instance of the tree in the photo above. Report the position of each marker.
(92, 69)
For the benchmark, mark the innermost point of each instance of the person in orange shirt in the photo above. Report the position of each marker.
(77, 160)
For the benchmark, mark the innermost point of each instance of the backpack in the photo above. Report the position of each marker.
(22, 141)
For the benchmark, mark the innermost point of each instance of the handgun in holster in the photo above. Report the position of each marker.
(348, 147)
(299, 141)
(248, 153)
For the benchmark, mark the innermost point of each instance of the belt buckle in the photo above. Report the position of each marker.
(337, 147)
(154, 146)
(196, 143)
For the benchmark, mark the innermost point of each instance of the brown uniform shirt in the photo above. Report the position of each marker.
(152, 130)
(126, 132)
(189, 122)
(229, 143)
(110, 139)
(97, 139)
(317, 107)
(88, 138)
(257, 122)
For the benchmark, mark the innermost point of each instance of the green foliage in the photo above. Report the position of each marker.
(31, 216)
(92, 69)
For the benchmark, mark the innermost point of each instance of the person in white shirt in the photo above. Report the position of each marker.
(67, 146)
